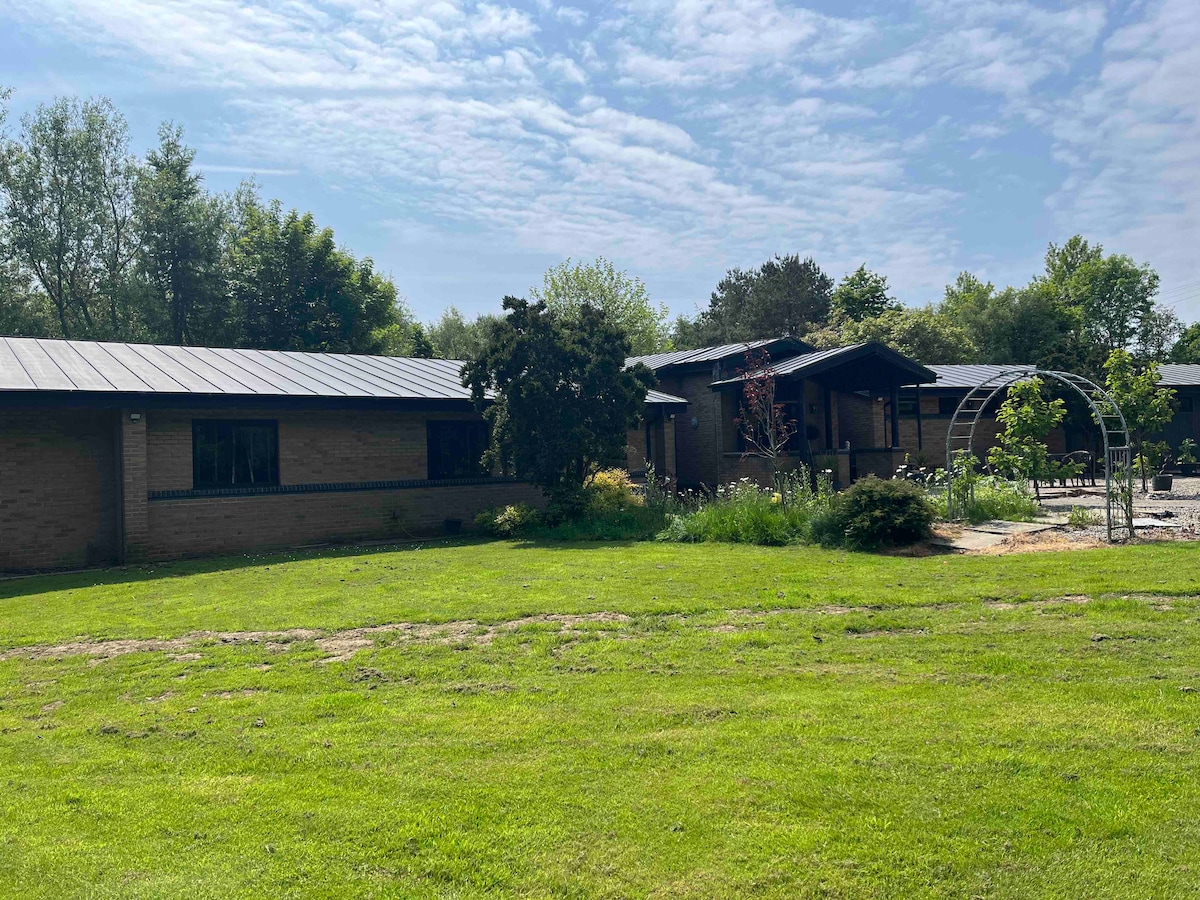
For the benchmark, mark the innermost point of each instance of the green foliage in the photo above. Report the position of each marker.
(875, 513)
(921, 334)
(623, 298)
(179, 230)
(514, 520)
(1187, 452)
(1082, 517)
(1027, 417)
(784, 296)
(98, 244)
(862, 294)
(66, 202)
(612, 490)
(1147, 407)
(1187, 348)
(453, 336)
(984, 498)
(563, 399)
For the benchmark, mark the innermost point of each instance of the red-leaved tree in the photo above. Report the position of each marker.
(763, 423)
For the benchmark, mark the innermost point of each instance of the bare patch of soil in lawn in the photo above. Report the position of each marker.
(338, 646)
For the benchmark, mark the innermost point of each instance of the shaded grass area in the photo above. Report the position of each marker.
(887, 727)
(491, 581)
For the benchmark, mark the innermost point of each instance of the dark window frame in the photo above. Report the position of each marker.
(455, 447)
(225, 468)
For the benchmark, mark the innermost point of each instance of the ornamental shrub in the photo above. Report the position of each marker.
(875, 513)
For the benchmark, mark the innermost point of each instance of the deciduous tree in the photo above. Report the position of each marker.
(1146, 406)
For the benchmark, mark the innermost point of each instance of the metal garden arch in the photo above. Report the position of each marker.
(1118, 456)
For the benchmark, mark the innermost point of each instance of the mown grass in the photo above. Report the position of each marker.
(767, 722)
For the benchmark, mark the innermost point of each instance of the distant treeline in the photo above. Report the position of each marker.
(96, 242)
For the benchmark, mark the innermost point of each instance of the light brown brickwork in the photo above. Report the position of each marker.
(199, 526)
(59, 496)
(74, 486)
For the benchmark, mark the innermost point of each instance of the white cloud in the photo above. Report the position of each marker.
(685, 136)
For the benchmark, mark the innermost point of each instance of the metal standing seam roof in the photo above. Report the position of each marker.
(808, 361)
(969, 376)
(38, 364)
(1179, 374)
(704, 354)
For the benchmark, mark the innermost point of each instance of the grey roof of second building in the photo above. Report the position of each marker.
(1179, 374)
(706, 354)
(36, 364)
(969, 376)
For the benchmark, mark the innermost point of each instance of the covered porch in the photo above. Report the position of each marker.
(846, 406)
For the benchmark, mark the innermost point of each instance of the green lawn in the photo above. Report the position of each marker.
(754, 722)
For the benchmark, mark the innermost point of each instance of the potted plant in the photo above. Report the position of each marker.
(1187, 458)
(1158, 457)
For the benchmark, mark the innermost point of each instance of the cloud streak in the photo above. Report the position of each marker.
(685, 136)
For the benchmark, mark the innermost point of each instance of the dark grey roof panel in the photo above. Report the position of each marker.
(12, 373)
(1179, 374)
(396, 383)
(205, 359)
(74, 366)
(152, 375)
(184, 376)
(969, 376)
(111, 369)
(40, 366)
(819, 361)
(703, 354)
(277, 384)
(225, 380)
(337, 366)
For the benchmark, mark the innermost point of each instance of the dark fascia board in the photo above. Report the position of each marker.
(870, 348)
(121, 400)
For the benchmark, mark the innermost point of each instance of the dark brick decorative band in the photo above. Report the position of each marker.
(327, 488)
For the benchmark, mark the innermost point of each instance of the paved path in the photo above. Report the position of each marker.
(989, 534)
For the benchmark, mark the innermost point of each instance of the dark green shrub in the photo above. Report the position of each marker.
(875, 513)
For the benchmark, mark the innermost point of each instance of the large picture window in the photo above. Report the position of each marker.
(234, 453)
(456, 449)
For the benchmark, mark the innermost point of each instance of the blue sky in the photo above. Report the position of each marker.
(468, 145)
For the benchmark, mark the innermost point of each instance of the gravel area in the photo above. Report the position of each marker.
(1180, 506)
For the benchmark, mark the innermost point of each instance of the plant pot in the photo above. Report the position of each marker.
(1161, 482)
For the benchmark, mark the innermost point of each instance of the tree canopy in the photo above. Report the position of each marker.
(567, 287)
(97, 243)
(557, 395)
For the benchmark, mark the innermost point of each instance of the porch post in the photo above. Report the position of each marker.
(895, 417)
(920, 439)
(827, 399)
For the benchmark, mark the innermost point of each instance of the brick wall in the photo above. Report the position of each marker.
(59, 489)
(317, 446)
(197, 526)
(74, 486)
(698, 447)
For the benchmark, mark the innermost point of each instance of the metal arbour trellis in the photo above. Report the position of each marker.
(1118, 456)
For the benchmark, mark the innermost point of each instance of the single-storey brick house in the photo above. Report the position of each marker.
(116, 452)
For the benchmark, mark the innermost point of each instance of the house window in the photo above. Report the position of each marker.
(234, 453)
(456, 449)
(908, 408)
(948, 405)
(1187, 404)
